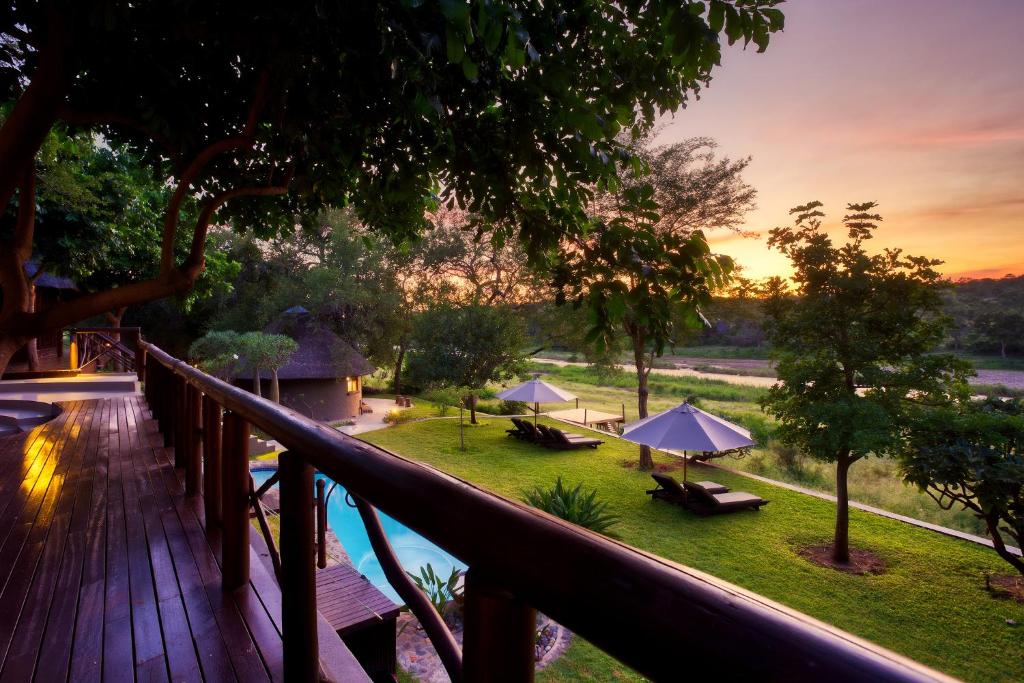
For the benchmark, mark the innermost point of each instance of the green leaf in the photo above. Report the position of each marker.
(716, 16)
(455, 45)
(455, 11)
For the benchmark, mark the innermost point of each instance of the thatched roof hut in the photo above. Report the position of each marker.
(322, 379)
(321, 354)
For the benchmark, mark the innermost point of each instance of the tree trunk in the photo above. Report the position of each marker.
(642, 393)
(992, 522)
(841, 544)
(32, 347)
(35, 112)
(471, 399)
(398, 367)
(275, 387)
(8, 347)
(256, 389)
(1002, 348)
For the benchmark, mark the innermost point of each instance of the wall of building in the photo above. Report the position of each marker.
(325, 400)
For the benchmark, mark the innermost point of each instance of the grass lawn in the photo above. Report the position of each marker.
(873, 481)
(931, 603)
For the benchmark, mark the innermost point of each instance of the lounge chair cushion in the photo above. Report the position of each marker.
(712, 487)
(736, 498)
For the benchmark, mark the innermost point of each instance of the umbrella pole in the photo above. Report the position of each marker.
(536, 411)
(684, 467)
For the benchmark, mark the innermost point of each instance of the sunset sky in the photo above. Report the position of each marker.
(915, 104)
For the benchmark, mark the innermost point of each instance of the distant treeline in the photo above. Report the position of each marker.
(988, 319)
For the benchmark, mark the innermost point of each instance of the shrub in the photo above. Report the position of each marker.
(443, 400)
(503, 407)
(397, 417)
(573, 505)
(439, 591)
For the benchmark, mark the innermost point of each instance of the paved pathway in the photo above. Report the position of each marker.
(368, 422)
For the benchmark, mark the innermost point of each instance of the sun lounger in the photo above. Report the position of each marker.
(520, 431)
(550, 433)
(556, 438)
(703, 497)
(668, 490)
(704, 503)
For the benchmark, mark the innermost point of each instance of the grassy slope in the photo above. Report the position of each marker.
(874, 482)
(930, 605)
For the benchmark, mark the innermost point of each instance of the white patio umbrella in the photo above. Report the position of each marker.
(536, 392)
(686, 428)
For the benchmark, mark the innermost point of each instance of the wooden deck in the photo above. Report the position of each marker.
(106, 571)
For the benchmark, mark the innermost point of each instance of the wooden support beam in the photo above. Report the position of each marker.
(193, 441)
(211, 462)
(321, 524)
(235, 501)
(499, 633)
(298, 578)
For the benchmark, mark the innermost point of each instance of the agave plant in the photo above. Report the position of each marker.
(573, 505)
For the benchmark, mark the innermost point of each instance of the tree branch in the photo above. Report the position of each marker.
(75, 310)
(195, 257)
(204, 157)
(35, 112)
(25, 223)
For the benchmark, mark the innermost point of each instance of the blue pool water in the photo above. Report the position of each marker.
(413, 550)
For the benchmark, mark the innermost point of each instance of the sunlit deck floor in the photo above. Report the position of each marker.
(105, 569)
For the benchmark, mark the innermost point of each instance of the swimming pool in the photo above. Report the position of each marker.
(413, 550)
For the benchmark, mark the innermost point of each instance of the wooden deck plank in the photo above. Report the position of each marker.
(118, 653)
(87, 642)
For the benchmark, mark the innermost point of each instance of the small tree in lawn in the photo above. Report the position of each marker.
(635, 279)
(973, 455)
(467, 346)
(278, 350)
(853, 346)
(266, 352)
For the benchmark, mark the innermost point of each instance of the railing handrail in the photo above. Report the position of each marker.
(85, 330)
(659, 617)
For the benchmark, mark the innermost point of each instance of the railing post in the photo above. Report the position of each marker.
(193, 443)
(321, 524)
(235, 502)
(298, 579)
(178, 410)
(211, 461)
(160, 397)
(499, 633)
(73, 352)
(140, 356)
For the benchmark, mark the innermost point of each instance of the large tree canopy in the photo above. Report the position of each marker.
(510, 110)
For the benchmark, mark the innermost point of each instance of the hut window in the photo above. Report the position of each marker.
(353, 384)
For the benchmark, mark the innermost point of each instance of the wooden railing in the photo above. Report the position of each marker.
(97, 346)
(665, 620)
